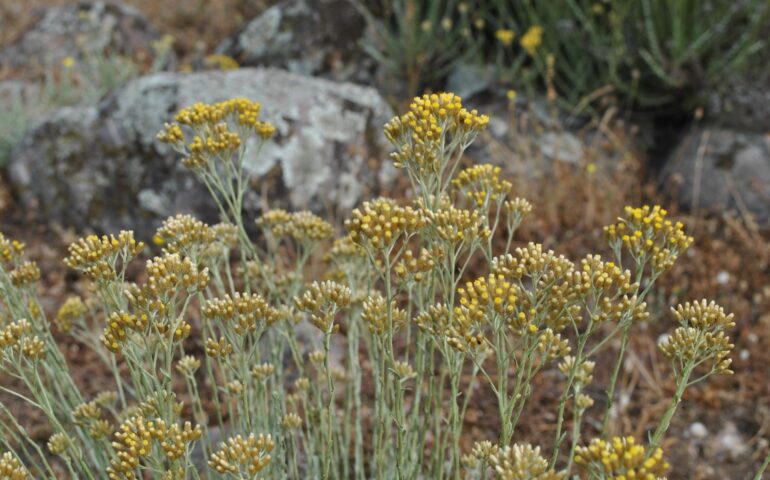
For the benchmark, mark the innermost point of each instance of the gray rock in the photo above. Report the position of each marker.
(529, 142)
(78, 29)
(469, 79)
(102, 167)
(744, 102)
(721, 170)
(311, 37)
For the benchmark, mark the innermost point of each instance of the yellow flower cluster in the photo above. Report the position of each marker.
(551, 345)
(532, 39)
(33, 348)
(621, 459)
(612, 289)
(188, 365)
(584, 373)
(118, 326)
(522, 462)
(12, 469)
(481, 451)
(95, 256)
(221, 62)
(243, 457)
(167, 276)
(434, 321)
(303, 226)
(378, 224)
(25, 275)
(647, 233)
(413, 269)
(485, 295)
(10, 250)
(244, 312)
(72, 310)
(322, 301)
(184, 234)
(482, 184)
(291, 421)
(58, 444)
(11, 334)
(431, 116)
(375, 315)
(134, 443)
(218, 348)
(454, 225)
(306, 226)
(274, 222)
(700, 338)
(432, 122)
(484, 302)
(531, 261)
(505, 36)
(262, 371)
(553, 296)
(212, 124)
(89, 415)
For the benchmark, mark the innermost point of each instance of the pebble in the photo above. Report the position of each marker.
(698, 430)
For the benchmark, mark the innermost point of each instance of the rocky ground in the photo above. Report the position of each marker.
(90, 162)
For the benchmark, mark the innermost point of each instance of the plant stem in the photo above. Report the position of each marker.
(614, 379)
(762, 468)
(665, 421)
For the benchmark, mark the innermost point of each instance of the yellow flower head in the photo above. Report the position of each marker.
(96, 257)
(243, 312)
(244, 457)
(701, 337)
(378, 224)
(522, 462)
(483, 184)
(505, 36)
(375, 315)
(322, 301)
(12, 469)
(620, 459)
(219, 130)
(434, 123)
(647, 233)
(134, 442)
(531, 40)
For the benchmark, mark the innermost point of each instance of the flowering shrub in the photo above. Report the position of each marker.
(207, 348)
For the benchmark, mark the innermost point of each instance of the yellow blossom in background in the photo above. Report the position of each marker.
(221, 62)
(532, 39)
(505, 36)
(68, 62)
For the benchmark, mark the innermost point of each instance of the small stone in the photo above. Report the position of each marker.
(723, 277)
(731, 441)
(698, 430)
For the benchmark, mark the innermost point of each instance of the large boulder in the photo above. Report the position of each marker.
(103, 168)
(311, 37)
(80, 30)
(720, 170)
